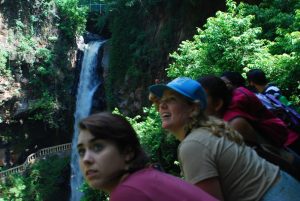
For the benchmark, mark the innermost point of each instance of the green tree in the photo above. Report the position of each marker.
(4, 68)
(232, 41)
(227, 42)
(160, 146)
(41, 181)
(73, 18)
(272, 15)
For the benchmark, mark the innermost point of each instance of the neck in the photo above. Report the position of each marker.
(112, 182)
(260, 88)
(180, 135)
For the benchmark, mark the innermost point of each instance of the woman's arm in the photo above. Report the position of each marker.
(245, 129)
(212, 186)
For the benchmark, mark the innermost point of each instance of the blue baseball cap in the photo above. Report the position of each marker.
(189, 88)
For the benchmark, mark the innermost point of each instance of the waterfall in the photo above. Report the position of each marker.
(88, 83)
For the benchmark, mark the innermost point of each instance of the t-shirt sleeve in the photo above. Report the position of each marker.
(128, 193)
(197, 161)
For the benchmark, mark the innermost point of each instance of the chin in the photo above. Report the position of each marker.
(168, 128)
(95, 185)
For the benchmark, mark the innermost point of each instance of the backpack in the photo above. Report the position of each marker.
(285, 113)
(279, 156)
(245, 104)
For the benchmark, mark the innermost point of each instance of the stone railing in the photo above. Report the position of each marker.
(36, 156)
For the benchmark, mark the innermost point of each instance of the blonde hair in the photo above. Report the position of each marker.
(198, 119)
(217, 127)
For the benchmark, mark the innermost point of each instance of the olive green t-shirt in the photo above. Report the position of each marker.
(243, 175)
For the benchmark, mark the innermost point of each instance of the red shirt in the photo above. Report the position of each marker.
(152, 185)
(245, 104)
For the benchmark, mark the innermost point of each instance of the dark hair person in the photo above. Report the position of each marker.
(112, 159)
(245, 112)
(212, 155)
(258, 80)
(233, 79)
(260, 128)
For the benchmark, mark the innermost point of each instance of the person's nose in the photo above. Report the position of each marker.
(88, 157)
(162, 105)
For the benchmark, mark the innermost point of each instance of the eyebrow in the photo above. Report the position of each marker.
(90, 141)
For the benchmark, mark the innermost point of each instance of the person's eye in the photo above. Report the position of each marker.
(81, 152)
(172, 98)
(169, 99)
(97, 147)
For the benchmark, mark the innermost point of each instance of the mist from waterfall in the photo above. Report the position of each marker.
(88, 83)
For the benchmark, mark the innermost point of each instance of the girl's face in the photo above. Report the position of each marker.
(100, 161)
(175, 113)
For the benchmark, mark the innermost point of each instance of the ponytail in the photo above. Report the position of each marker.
(216, 126)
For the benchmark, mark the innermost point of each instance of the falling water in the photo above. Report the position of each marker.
(88, 83)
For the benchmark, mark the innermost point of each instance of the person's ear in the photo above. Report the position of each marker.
(218, 105)
(128, 154)
(195, 109)
(154, 99)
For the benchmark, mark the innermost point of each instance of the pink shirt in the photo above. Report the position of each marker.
(152, 185)
(245, 104)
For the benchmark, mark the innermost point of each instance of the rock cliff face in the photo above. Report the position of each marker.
(36, 68)
(9, 88)
(142, 38)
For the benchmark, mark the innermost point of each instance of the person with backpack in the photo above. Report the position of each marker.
(290, 117)
(258, 80)
(212, 155)
(240, 107)
(234, 79)
(260, 128)
(270, 95)
(111, 159)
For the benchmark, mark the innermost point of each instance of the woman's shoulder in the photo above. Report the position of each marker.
(158, 186)
(199, 134)
(199, 138)
(146, 174)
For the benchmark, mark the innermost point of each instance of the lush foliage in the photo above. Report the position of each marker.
(227, 43)
(43, 181)
(280, 24)
(92, 194)
(73, 18)
(37, 64)
(160, 146)
(272, 16)
(4, 70)
(140, 50)
(45, 108)
(122, 43)
(233, 41)
(38, 57)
